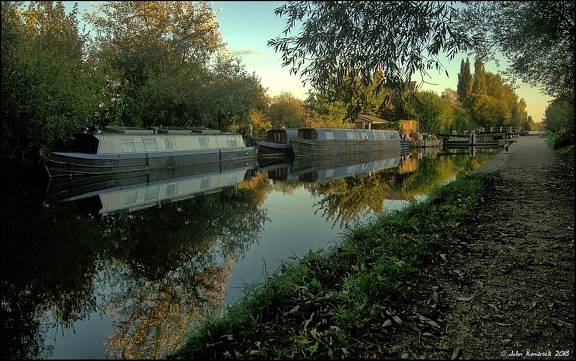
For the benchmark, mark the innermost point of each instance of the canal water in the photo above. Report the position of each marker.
(124, 268)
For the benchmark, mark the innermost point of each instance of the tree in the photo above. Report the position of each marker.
(479, 85)
(465, 80)
(353, 39)
(286, 110)
(229, 94)
(537, 41)
(450, 96)
(556, 113)
(433, 114)
(536, 37)
(487, 111)
(48, 90)
(162, 50)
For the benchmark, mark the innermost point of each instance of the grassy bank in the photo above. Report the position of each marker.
(325, 304)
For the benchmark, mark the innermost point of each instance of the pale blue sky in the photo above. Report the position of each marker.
(246, 27)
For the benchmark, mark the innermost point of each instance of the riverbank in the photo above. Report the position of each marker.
(454, 277)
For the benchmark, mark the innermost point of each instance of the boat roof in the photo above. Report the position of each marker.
(160, 130)
(292, 132)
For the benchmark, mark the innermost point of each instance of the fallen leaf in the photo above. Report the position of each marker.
(293, 310)
(308, 321)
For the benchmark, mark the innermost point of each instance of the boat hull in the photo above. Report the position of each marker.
(62, 164)
(307, 147)
(271, 149)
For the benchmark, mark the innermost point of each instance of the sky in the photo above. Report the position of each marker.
(246, 27)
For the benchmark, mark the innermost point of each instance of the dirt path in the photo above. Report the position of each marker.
(505, 288)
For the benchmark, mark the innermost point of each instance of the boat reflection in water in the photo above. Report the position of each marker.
(322, 168)
(106, 194)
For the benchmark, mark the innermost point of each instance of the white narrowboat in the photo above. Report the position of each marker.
(341, 141)
(129, 150)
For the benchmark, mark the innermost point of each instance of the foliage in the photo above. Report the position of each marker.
(286, 111)
(173, 63)
(352, 40)
(557, 119)
(47, 89)
(538, 43)
(230, 94)
(538, 40)
(433, 113)
(465, 80)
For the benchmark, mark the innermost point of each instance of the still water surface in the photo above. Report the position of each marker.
(108, 270)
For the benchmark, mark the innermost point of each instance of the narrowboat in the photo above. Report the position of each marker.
(277, 142)
(337, 141)
(129, 150)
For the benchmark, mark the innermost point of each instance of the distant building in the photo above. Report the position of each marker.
(363, 121)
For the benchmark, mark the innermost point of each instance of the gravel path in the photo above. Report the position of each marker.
(504, 288)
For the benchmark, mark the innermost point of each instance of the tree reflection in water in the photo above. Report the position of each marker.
(162, 264)
(165, 267)
(347, 200)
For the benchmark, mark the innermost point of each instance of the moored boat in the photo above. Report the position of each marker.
(277, 142)
(133, 150)
(337, 141)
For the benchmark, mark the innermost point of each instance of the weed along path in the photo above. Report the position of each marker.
(483, 269)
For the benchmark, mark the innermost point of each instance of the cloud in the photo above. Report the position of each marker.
(240, 52)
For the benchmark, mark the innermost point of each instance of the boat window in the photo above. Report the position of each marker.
(350, 135)
(205, 183)
(130, 197)
(152, 193)
(170, 143)
(232, 178)
(329, 135)
(172, 189)
(277, 137)
(232, 142)
(128, 145)
(150, 144)
(205, 143)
